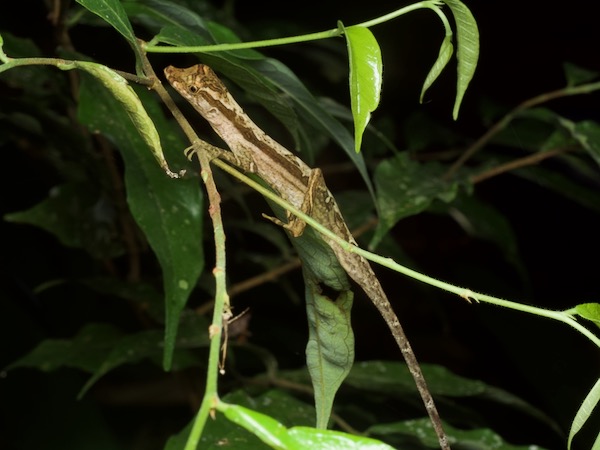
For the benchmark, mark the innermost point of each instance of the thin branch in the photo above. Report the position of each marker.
(518, 163)
(509, 117)
(222, 308)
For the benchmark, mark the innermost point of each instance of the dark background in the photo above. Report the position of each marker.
(522, 52)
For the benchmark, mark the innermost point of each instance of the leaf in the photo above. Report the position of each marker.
(130, 349)
(562, 185)
(481, 219)
(167, 210)
(406, 188)
(220, 432)
(77, 217)
(330, 346)
(86, 351)
(589, 311)
(585, 411)
(112, 11)
(126, 96)
(444, 55)
(274, 434)
(467, 39)
(144, 295)
(576, 75)
(421, 431)
(587, 134)
(366, 69)
(149, 344)
(393, 378)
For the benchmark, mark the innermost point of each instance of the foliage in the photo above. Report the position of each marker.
(131, 219)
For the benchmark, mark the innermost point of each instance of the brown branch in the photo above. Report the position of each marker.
(518, 163)
(504, 121)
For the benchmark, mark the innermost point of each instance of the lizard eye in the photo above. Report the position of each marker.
(193, 89)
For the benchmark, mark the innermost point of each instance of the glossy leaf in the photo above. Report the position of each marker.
(167, 210)
(112, 11)
(444, 55)
(405, 188)
(467, 54)
(584, 412)
(421, 431)
(589, 311)
(366, 69)
(277, 436)
(221, 432)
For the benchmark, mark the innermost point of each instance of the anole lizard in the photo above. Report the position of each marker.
(303, 187)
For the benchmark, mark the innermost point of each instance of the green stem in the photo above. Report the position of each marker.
(10, 63)
(221, 306)
(465, 293)
(429, 4)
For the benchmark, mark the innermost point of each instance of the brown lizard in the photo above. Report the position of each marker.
(303, 187)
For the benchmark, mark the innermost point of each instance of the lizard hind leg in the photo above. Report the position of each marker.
(294, 225)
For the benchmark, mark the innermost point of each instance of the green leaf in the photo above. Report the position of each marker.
(576, 75)
(169, 211)
(112, 11)
(217, 433)
(86, 351)
(330, 347)
(393, 378)
(144, 295)
(421, 431)
(589, 311)
(444, 55)
(467, 39)
(481, 219)
(277, 436)
(78, 217)
(149, 345)
(584, 412)
(562, 185)
(126, 96)
(406, 188)
(129, 349)
(587, 134)
(366, 68)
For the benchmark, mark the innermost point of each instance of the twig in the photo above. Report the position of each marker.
(504, 121)
(222, 308)
(518, 163)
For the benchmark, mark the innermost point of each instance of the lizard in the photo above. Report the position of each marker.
(253, 151)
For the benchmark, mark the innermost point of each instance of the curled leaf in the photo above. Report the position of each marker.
(446, 50)
(127, 97)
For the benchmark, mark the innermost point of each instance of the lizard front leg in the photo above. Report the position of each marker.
(295, 225)
(246, 164)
